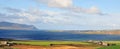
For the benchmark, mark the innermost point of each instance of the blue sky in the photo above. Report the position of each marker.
(63, 14)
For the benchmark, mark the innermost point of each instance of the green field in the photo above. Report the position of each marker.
(115, 42)
(111, 47)
(47, 43)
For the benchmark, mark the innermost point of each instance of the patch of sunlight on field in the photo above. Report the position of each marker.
(113, 42)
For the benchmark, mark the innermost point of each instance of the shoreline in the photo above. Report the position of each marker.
(11, 39)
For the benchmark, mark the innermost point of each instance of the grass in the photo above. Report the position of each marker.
(47, 43)
(114, 42)
(110, 47)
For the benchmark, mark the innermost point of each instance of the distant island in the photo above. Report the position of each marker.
(16, 26)
(110, 32)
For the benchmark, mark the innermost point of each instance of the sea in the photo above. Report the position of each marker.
(52, 35)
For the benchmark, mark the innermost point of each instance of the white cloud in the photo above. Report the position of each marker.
(45, 16)
(56, 3)
(68, 5)
(28, 16)
(36, 15)
(92, 10)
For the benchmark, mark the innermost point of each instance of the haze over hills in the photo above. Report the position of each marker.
(16, 26)
(110, 32)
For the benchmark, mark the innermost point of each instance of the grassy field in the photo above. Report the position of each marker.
(111, 47)
(114, 42)
(47, 43)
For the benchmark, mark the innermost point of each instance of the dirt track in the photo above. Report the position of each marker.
(50, 47)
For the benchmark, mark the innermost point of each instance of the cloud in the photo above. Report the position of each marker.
(35, 15)
(69, 6)
(9, 17)
(56, 3)
(12, 9)
(92, 10)
(1, 15)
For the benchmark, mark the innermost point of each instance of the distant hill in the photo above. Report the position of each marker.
(16, 26)
(110, 32)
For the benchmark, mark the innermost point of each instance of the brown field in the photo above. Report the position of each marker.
(52, 47)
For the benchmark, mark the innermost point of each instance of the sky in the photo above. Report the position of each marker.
(63, 14)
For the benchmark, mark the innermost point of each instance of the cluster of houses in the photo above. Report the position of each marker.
(6, 43)
(101, 43)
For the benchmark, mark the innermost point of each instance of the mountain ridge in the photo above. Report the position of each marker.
(16, 26)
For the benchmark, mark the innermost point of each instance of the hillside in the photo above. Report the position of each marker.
(16, 26)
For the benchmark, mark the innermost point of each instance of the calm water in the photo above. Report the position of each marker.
(45, 35)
